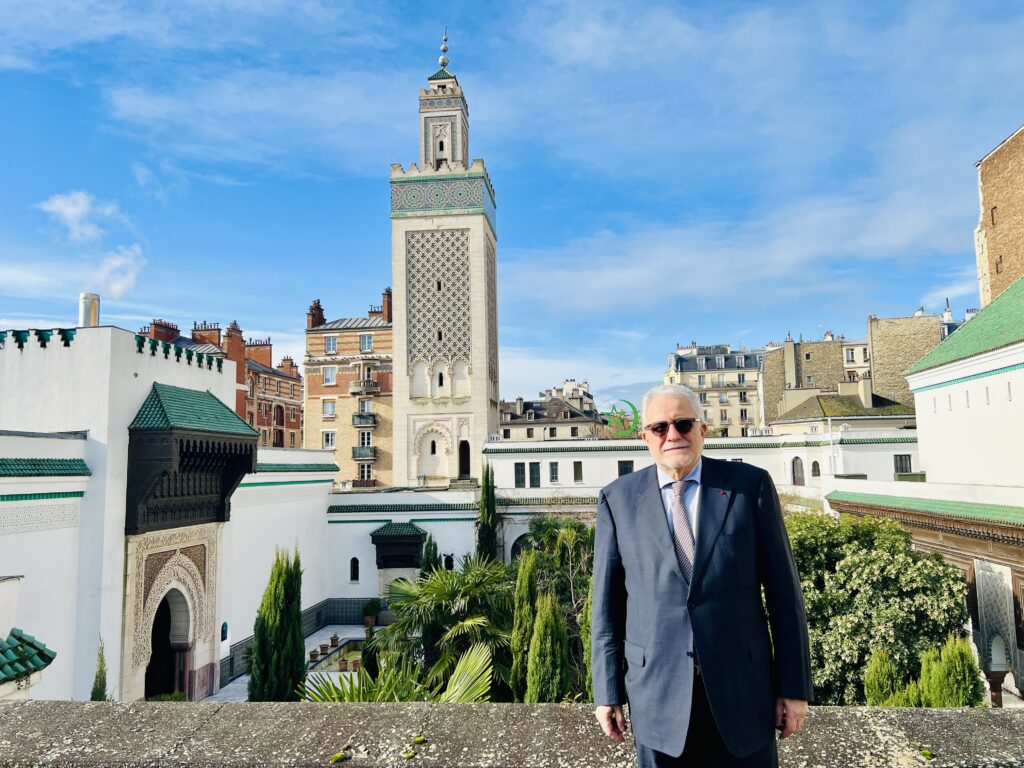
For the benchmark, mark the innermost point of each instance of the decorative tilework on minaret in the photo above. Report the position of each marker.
(443, 247)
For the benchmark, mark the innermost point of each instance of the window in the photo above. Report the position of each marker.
(263, 384)
(520, 471)
(329, 408)
(565, 414)
(864, 353)
(625, 467)
(529, 415)
(703, 397)
(807, 355)
(553, 432)
(574, 431)
(366, 406)
(330, 375)
(815, 469)
(723, 399)
(330, 345)
(810, 380)
(705, 416)
(719, 362)
(577, 471)
(365, 471)
(992, 213)
(553, 472)
(901, 462)
(741, 361)
(506, 433)
(366, 342)
(353, 569)
(250, 418)
(506, 416)
(744, 432)
(364, 438)
(743, 414)
(328, 439)
(439, 336)
(439, 285)
(850, 351)
(741, 378)
(440, 380)
(701, 380)
(529, 431)
(433, 447)
(702, 363)
(535, 474)
(252, 388)
(293, 390)
(743, 397)
(723, 415)
(987, 400)
(263, 432)
(291, 439)
(720, 380)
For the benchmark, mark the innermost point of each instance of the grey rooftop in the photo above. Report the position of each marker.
(57, 733)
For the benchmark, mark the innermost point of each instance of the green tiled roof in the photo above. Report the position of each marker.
(21, 655)
(588, 446)
(966, 510)
(398, 529)
(42, 467)
(997, 325)
(555, 501)
(442, 74)
(296, 468)
(169, 407)
(379, 509)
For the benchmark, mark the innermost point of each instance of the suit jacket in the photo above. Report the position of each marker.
(646, 615)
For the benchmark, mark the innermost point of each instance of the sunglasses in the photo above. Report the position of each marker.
(660, 428)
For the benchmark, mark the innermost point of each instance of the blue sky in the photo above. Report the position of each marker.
(665, 172)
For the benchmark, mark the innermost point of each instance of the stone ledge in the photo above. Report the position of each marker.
(58, 734)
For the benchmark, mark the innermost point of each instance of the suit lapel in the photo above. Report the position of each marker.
(715, 498)
(651, 511)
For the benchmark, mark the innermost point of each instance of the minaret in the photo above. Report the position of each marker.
(443, 250)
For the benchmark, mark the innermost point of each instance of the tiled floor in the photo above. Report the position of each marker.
(238, 689)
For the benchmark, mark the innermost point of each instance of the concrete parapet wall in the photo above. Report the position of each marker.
(57, 734)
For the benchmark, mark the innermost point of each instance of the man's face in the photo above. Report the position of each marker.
(676, 454)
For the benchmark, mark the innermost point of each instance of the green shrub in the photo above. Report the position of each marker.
(881, 678)
(523, 620)
(958, 677)
(585, 624)
(277, 664)
(176, 696)
(99, 682)
(908, 696)
(548, 672)
(372, 607)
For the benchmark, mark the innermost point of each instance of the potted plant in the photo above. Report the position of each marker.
(314, 655)
(371, 610)
(324, 648)
(342, 665)
(335, 639)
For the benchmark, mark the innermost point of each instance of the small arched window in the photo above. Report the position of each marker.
(440, 379)
(433, 447)
(815, 469)
(440, 146)
(353, 569)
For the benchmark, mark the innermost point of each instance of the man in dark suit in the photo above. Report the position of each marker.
(683, 549)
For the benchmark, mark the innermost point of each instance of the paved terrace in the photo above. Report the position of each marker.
(54, 733)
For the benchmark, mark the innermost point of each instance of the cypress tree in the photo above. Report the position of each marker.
(929, 683)
(958, 677)
(522, 622)
(547, 673)
(99, 682)
(585, 622)
(431, 559)
(487, 522)
(881, 678)
(277, 663)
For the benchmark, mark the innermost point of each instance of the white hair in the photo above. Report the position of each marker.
(673, 390)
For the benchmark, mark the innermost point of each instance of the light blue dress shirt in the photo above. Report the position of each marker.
(691, 496)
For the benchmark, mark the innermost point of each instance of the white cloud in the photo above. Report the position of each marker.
(80, 213)
(961, 284)
(119, 269)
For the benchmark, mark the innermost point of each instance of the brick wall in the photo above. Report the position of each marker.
(999, 237)
(894, 344)
(822, 361)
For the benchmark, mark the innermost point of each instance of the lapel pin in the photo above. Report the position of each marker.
(722, 493)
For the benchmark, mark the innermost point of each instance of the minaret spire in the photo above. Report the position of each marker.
(443, 58)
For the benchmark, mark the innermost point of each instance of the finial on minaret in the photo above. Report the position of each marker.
(443, 59)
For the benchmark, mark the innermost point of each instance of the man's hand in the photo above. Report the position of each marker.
(789, 716)
(612, 721)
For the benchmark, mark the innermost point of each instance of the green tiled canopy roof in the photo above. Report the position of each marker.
(296, 468)
(169, 407)
(967, 510)
(442, 74)
(398, 529)
(42, 467)
(997, 325)
(21, 655)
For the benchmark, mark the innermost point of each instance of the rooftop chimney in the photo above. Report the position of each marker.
(88, 310)
(315, 315)
(163, 330)
(206, 333)
(386, 305)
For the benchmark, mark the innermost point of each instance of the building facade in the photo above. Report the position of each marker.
(999, 236)
(444, 273)
(726, 382)
(348, 397)
(567, 412)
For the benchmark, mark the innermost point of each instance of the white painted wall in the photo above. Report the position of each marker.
(970, 418)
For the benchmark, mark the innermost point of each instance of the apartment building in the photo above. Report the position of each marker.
(726, 380)
(567, 412)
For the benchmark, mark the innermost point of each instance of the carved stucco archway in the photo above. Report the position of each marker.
(180, 573)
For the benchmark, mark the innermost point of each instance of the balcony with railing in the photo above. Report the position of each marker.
(364, 419)
(364, 452)
(364, 387)
(371, 483)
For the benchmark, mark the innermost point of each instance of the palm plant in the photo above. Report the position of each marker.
(439, 616)
(401, 679)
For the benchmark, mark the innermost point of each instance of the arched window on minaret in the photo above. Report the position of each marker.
(433, 447)
(441, 146)
(440, 380)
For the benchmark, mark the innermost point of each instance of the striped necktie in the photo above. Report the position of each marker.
(683, 533)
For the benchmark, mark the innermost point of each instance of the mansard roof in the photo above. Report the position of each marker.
(170, 407)
(353, 323)
(997, 325)
(261, 368)
(843, 406)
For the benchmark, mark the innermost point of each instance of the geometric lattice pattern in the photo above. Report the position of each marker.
(492, 315)
(432, 256)
(437, 195)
